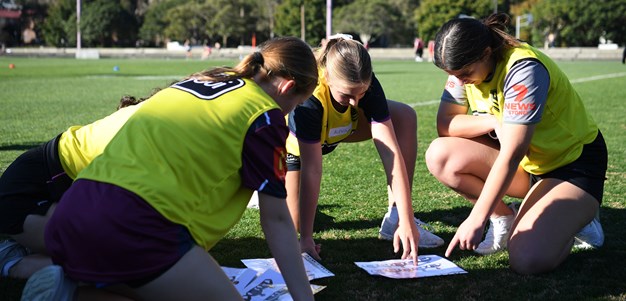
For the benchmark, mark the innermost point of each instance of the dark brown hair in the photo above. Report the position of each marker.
(462, 41)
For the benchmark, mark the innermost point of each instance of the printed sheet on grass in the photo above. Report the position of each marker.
(427, 266)
(262, 280)
(314, 270)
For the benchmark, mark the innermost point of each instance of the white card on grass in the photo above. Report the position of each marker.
(427, 266)
(240, 277)
(314, 269)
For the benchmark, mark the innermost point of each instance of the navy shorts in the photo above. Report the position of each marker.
(103, 234)
(30, 185)
(588, 172)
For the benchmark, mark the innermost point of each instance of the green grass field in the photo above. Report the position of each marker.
(40, 98)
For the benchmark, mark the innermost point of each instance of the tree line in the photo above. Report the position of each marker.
(380, 23)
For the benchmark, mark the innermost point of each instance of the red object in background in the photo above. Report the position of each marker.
(11, 66)
(253, 40)
(10, 14)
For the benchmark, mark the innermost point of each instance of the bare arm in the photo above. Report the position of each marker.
(310, 180)
(384, 138)
(283, 243)
(513, 146)
(453, 121)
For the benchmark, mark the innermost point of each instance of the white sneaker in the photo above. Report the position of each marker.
(49, 284)
(497, 235)
(591, 236)
(390, 224)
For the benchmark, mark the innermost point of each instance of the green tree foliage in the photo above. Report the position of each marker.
(261, 17)
(406, 28)
(102, 23)
(579, 22)
(61, 17)
(183, 21)
(431, 14)
(154, 23)
(522, 8)
(396, 22)
(107, 23)
(288, 19)
(368, 18)
(206, 20)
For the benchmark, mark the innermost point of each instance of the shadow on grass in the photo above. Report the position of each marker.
(585, 275)
(589, 275)
(20, 147)
(323, 221)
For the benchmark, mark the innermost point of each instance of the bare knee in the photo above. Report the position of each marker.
(33, 235)
(436, 157)
(527, 260)
(29, 265)
(403, 115)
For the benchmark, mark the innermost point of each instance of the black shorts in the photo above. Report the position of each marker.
(588, 172)
(293, 162)
(30, 185)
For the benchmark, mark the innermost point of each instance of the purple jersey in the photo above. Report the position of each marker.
(263, 169)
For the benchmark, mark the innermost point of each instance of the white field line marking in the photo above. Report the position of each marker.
(579, 80)
(598, 77)
(425, 103)
(151, 77)
(140, 77)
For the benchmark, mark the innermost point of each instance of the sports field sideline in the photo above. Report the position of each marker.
(41, 97)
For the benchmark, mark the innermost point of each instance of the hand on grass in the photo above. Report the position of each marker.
(409, 236)
(308, 245)
(468, 236)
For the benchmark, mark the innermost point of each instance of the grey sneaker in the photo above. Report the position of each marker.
(591, 236)
(390, 224)
(49, 284)
(10, 252)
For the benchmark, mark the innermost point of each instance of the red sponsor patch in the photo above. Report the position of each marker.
(518, 107)
(450, 84)
(521, 90)
(280, 162)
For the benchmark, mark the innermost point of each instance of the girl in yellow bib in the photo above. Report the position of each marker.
(139, 219)
(527, 135)
(35, 181)
(349, 105)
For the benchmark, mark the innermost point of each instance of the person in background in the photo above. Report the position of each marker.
(187, 45)
(139, 220)
(529, 137)
(349, 105)
(418, 47)
(431, 50)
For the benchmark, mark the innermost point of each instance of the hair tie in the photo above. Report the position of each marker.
(257, 58)
(343, 36)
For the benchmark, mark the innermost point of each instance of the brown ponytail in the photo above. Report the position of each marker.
(346, 59)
